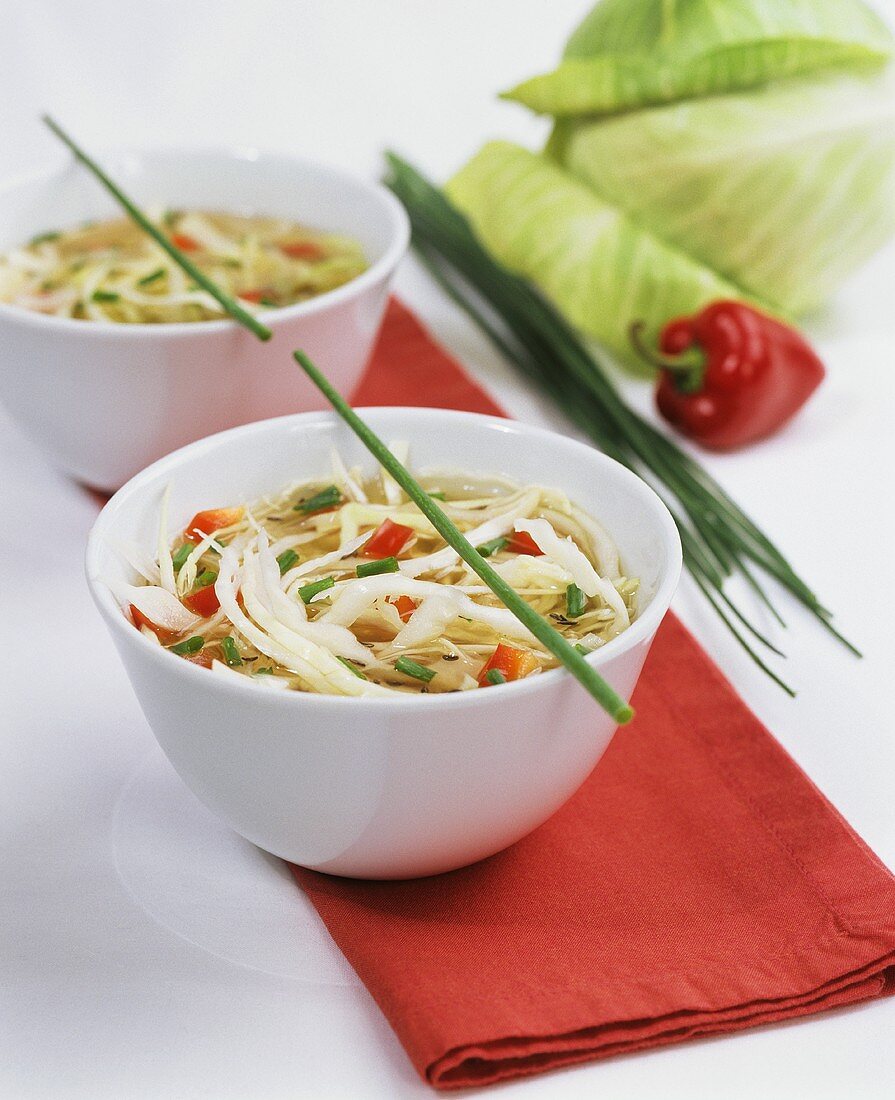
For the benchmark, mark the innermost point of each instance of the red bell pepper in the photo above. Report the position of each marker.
(387, 541)
(510, 662)
(731, 375)
(211, 520)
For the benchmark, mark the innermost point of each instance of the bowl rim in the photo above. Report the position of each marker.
(379, 269)
(640, 631)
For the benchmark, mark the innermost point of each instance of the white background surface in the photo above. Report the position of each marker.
(144, 950)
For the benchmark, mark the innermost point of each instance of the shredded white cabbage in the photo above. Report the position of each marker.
(158, 605)
(566, 554)
(319, 626)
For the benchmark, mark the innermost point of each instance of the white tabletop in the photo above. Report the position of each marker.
(145, 951)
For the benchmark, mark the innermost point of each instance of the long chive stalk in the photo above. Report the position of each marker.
(226, 301)
(567, 654)
(606, 696)
(719, 539)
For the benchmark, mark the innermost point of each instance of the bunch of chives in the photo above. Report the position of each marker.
(719, 539)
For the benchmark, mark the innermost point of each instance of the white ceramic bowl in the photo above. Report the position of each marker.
(105, 399)
(383, 788)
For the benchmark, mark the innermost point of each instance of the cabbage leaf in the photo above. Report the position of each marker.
(782, 190)
(634, 53)
(596, 264)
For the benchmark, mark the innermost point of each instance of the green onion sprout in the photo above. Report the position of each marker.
(412, 668)
(326, 498)
(374, 568)
(231, 653)
(309, 591)
(286, 560)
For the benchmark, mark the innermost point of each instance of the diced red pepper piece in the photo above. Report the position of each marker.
(251, 295)
(184, 242)
(201, 658)
(387, 541)
(522, 543)
(513, 663)
(406, 606)
(203, 602)
(140, 620)
(212, 520)
(303, 250)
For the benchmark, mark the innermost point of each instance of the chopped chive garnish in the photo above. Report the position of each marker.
(188, 646)
(170, 217)
(373, 568)
(439, 495)
(575, 601)
(205, 578)
(326, 498)
(268, 671)
(181, 554)
(583, 650)
(231, 653)
(269, 302)
(229, 261)
(286, 560)
(495, 676)
(492, 547)
(309, 591)
(351, 668)
(412, 668)
(152, 277)
(45, 238)
(105, 296)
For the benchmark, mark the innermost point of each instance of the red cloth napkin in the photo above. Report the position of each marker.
(697, 883)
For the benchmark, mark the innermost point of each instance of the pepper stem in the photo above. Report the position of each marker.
(688, 367)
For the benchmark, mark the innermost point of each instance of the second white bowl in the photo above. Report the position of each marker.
(104, 399)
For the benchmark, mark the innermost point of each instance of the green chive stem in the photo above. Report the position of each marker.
(374, 568)
(605, 695)
(231, 653)
(415, 669)
(286, 560)
(575, 601)
(152, 277)
(309, 591)
(326, 498)
(227, 303)
(492, 547)
(181, 554)
(351, 668)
